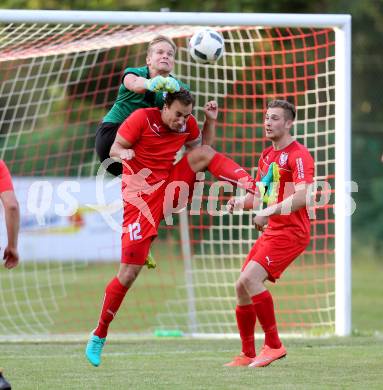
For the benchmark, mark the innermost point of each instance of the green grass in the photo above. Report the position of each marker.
(367, 293)
(65, 298)
(349, 363)
(180, 363)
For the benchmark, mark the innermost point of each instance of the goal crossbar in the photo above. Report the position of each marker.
(175, 18)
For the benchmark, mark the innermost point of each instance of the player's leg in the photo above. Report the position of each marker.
(222, 167)
(252, 279)
(105, 136)
(272, 349)
(132, 260)
(245, 316)
(114, 294)
(274, 254)
(246, 319)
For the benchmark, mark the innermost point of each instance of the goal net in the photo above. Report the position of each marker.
(57, 83)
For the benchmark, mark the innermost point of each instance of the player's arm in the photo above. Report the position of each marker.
(211, 113)
(135, 83)
(121, 149)
(292, 203)
(247, 202)
(12, 221)
(208, 132)
(140, 84)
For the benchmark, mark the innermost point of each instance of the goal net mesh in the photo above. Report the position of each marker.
(57, 83)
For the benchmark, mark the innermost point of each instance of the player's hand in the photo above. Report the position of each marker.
(156, 84)
(127, 154)
(171, 85)
(11, 257)
(211, 110)
(260, 222)
(235, 204)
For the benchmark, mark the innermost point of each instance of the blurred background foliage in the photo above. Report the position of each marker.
(367, 82)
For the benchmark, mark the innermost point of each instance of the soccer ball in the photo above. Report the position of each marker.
(206, 46)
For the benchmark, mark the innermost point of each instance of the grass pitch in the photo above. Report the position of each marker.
(334, 363)
(347, 363)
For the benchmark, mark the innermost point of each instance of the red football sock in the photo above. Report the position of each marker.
(246, 323)
(226, 169)
(114, 295)
(264, 307)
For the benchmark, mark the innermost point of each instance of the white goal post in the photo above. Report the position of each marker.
(323, 116)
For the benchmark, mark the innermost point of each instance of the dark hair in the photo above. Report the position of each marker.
(183, 96)
(288, 107)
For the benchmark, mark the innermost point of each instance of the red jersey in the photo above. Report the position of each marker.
(154, 144)
(5, 178)
(296, 165)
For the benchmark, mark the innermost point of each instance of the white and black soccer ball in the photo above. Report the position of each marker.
(206, 46)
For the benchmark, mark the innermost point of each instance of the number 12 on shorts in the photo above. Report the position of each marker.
(134, 230)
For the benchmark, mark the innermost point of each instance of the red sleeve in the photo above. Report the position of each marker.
(302, 166)
(133, 126)
(5, 178)
(193, 129)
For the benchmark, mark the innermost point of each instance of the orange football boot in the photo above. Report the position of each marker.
(240, 360)
(268, 355)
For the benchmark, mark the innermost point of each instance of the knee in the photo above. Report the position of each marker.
(203, 153)
(240, 287)
(127, 276)
(249, 285)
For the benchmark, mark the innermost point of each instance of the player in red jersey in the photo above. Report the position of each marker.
(12, 216)
(149, 138)
(286, 233)
(12, 221)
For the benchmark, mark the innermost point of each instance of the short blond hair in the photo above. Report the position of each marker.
(158, 39)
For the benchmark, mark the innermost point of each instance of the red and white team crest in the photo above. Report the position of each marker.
(283, 159)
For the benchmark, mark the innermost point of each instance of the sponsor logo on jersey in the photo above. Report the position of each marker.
(301, 172)
(283, 159)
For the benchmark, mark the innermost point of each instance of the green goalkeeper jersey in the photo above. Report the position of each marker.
(128, 101)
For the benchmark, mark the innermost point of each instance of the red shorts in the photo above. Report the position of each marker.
(5, 178)
(143, 214)
(277, 251)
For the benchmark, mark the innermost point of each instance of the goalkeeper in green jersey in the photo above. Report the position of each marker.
(140, 88)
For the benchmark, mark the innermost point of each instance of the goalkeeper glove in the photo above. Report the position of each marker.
(171, 85)
(156, 84)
